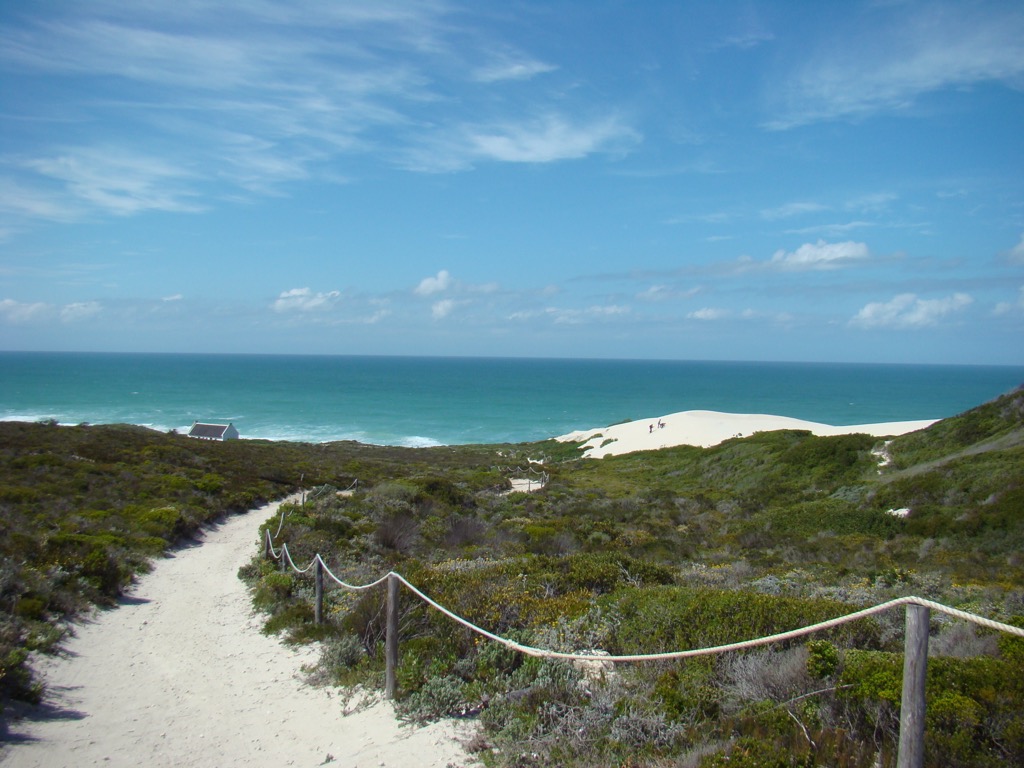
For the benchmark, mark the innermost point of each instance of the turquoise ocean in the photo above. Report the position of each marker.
(420, 401)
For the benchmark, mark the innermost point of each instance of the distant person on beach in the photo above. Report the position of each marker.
(650, 429)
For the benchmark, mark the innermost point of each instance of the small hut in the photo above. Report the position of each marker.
(213, 431)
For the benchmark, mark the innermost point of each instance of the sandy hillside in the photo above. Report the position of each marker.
(708, 428)
(180, 675)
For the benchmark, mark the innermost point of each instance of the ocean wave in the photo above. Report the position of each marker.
(33, 418)
(272, 433)
(415, 441)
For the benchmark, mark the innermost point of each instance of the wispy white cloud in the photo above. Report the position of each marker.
(441, 309)
(428, 286)
(835, 229)
(282, 97)
(1011, 307)
(596, 312)
(79, 311)
(709, 314)
(820, 255)
(375, 317)
(572, 316)
(552, 137)
(872, 203)
(1016, 254)
(118, 181)
(511, 67)
(660, 293)
(19, 312)
(907, 311)
(547, 139)
(915, 48)
(745, 40)
(792, 209)
(173, 297)
(36, 201)
(304, 300)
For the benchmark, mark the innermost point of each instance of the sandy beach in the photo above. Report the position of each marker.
(708, 428)
(180, 675)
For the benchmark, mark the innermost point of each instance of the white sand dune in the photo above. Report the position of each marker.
(180, 675)
(708, 428)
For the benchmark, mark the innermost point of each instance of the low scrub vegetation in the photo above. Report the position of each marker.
(643, 553)
(84, 509)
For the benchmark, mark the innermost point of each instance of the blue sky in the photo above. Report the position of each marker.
(833, 181)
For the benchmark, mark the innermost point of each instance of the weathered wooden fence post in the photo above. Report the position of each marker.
(267, 545)
(391, 638)
(318, 576)
(915, 670)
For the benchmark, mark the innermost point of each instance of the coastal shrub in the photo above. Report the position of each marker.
(273, 588)
(562, 718)
(86, 506)
(440, 490)
(973, 716)
(438, 697)
(830, 461)
(950, 436)
(166, 523)
(366, 620)
(16, 678)
(341, 652)
(810, 518)
(393, 490)
(501, 596)
(397, 530)
(764, 675)
(663, 619)
(688, 692)
(604, 572)
(296, 618)
(822, 658)
(671, 541)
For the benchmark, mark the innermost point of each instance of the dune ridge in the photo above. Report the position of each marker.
(709, 428)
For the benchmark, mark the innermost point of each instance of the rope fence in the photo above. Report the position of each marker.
(918, 609)
(528, 470)
(528, 473)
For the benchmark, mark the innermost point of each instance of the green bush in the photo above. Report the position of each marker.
(663, 619)
(973, 716)
(822, 659)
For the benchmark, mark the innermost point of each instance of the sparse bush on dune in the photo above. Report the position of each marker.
(661, 551)
(684, 548)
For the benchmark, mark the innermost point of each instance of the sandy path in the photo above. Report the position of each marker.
(180, 675)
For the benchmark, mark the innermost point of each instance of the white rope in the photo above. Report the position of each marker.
(283, 552)
(270, 546)
(281, 506)
(288, 556)
(979, 620)
(280, 523)
(520, 470)
(455, 617)
(668, 655)
(737, 646)
(338, 581)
